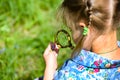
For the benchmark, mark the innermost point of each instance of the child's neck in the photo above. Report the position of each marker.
(106, 45)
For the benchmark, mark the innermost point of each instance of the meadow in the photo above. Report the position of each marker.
(26, 28)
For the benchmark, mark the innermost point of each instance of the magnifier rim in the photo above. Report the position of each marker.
(68, 36)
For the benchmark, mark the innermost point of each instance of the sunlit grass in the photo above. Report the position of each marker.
(26, 28)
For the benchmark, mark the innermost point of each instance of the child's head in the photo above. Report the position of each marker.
(100, 16)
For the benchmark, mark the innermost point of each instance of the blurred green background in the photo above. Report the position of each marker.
(26, 28)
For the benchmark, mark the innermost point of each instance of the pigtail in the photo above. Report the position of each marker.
(98, 17)
(81, 43)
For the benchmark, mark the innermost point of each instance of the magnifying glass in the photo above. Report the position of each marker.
(62, 40)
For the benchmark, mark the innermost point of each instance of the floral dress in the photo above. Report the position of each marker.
(89, 66)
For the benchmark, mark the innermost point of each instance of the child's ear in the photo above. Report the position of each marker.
(82, 24)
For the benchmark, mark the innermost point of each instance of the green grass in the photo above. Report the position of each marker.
(26, 28)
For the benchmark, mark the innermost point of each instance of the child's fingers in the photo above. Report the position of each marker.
(55, 53)
(48, 50)
(52, 47)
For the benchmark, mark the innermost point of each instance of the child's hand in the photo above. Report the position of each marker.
(50, 57)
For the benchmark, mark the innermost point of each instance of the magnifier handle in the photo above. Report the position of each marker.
(54, 47)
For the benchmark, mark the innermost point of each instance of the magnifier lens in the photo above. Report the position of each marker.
(63, 39)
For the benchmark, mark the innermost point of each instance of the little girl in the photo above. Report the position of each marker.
(97, 54)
